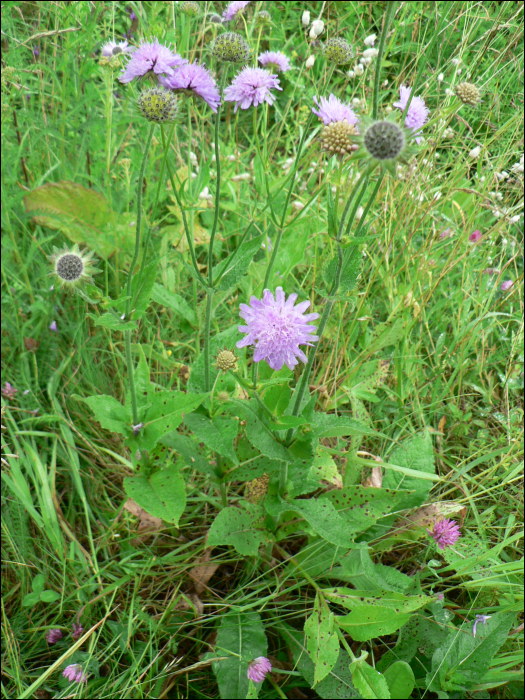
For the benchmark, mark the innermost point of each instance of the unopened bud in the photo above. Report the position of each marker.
(309, 61)
(305, 19)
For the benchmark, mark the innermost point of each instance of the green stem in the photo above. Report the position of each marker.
(390, 7)
(207, 329)
(127, 334)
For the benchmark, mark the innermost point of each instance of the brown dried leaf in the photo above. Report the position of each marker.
(426, 516)
(375, 480)
(31, 344)
(202, 572)
(147, 522)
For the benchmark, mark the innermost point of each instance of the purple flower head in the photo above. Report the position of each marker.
(440, 596)
(276, 328)
(505, 286)
(132, 15)
(482, 619)
(53, 636)
(74, 673)
(251, 87)
(333, 110)
(233, 9)
(275, 61)
(77, 632)
(447, 233)
(258, 669)
(196, 79)
(9, 391)
(490, 271)
(114, 49)
(36, 51)
(151, 56)
(53, 327)
(417, 114)
(445, 532)
(475, 236)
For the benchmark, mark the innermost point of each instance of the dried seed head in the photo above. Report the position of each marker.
(189, 8)
(69, 267)
(262, 18)
(336, 138)
(468, 93)
(384, 140)
(226, 360)
(231, 48)
(72, 267)
(257, 489)
(338, 51)
(158, 105)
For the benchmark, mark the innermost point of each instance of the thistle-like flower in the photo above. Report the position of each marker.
(111, 48)
(77, 632)
(234, 10)
(71, 268)
(151, 56)
(475, 236)
(333, 110)
(384, 144)
(338, 51)
(53, 636)
(9, 391)
(225, 360)
(445, 532)
(276, 328)
(193, 79)
(468, 94)
(417, 113)
(231, 48)
(74, 673)
(258, 669)
(252, 87)
(506, 285)
(191, 9)
(158, 105)
(275, 61)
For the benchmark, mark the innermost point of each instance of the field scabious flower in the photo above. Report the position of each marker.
(333, 110)
(276, 328)
(258, 669)
(252, 87)
(505, 286)
(111, 48)
(275, 61)
(74, 673)
(194, 79)
(234, 9)
(445, 532)
(475, 236)
(151, 56)
(417, 114)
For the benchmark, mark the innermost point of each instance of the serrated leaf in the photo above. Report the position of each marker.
(320, 515)
(416, 453)
(231, 270)
(217, 434)
(189, 451)
(321, 639)
(369, 682)
(174, 302)
(142, 295)
(238, 528)
(361, 572)
(386, 334)
(241, 638)
(277, 398)
(259, 434)
(162, 495)
(400, 680)
(111, 414)
(330, 425)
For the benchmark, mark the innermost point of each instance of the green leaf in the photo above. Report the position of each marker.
(162, 495)
(351, 269)
(238, 528)
(277, 398)
(400, 680)
(49, 596)
(174, 302)
(386, 334)
(189, 451)
(321, 639)
(330, 425)
(217, 434)
(241, 638)
(141, 296)
(362, 573)
(38, 583)
(111, 414)
(320, 515)
(369, 682)
(330, 206)
(259, 434)
(231, 270)
(416, 453)
(115, 323)
(31, 599)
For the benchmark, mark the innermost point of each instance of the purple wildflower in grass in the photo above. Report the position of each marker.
(151, 56)
(53, 636)
(447, 233)
(275, 61)
(258, 669)
(196, 79)
(233, 10)
(9, 391)
(505, 286)
(53, 327)
(114, 49)
(74, 673)
(491, 271)
(333, 110)
(417, 114)
(446, 532)
(77, 632)
(479, 618)
(251, 87)
(475, 236)
(36, 52)
(276, 328)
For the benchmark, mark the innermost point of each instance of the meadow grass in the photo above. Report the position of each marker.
(454, 363)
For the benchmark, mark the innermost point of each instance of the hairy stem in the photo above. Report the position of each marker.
(390, 8)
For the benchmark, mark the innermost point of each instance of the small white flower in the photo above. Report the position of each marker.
(385, 83)
(205, 194)
(193, 157)
(517, 168)
(356, 101)
(370, 53)
(232, 158)
(359, 213)
(482, 178)
(359, 70)
(502, 175)
(366, 61)
(193, 176)
(459, 71)
(499, 196)
(298, 205)
(370, 40)
(305, 19)
(388, 109)
(515, 219)
(449, 92)
(440, 78)
(474, 153)
(350, 74)
(437, 196)
(449, 133)
(317, 28)
(456, 61)
(309, 61)
(241, 177)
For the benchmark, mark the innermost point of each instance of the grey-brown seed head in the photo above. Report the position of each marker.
(336, 138)
(69, 267)
(468, 93)
(384, 140)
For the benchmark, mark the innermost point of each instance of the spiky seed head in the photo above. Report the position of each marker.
(69, 267)
(158, 105)
(468, 93)
(191, 9)
(256, 490)
(72, 267)
(231, 47)
(262, 18)
(338, 51)
(214, 18)
(226, 360)
(384, 140)
(336, 138)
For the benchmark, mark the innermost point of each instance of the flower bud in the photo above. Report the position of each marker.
(468, 93)
(317, 28)
(370, 53)
(474, 153)
(231, 48)
(370, 40)
(359, 69)
(226, 360)
(309, 61)
(305, 19)
(338, 51)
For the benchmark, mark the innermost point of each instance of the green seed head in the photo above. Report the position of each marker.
(158, 105)
(262, 18)
(336, 138)
(468, 94)
(225, 360)
(191, 9)
(257, 489)
(231, 48)
(338, 51)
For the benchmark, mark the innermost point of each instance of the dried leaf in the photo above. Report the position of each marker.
(202, 572)
(426, 516)
(442, 423)
(147, 523)
(31, 344)
(375, 480)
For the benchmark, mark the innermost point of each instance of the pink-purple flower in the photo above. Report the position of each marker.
(333, 110)
(276, 328)
(506, 285)
(446, 532)
(446, 233)
(475, 236)
(151, 56)
(258, 669)
(491, 271)
(9, 391)
(252, 87)
(77, 632)
(482, 619)
(53, 327)
(196, 79)
(74, 673)
(53, 636)
(275, 61)
(111, 48)
(233, 10)
(417, 114)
